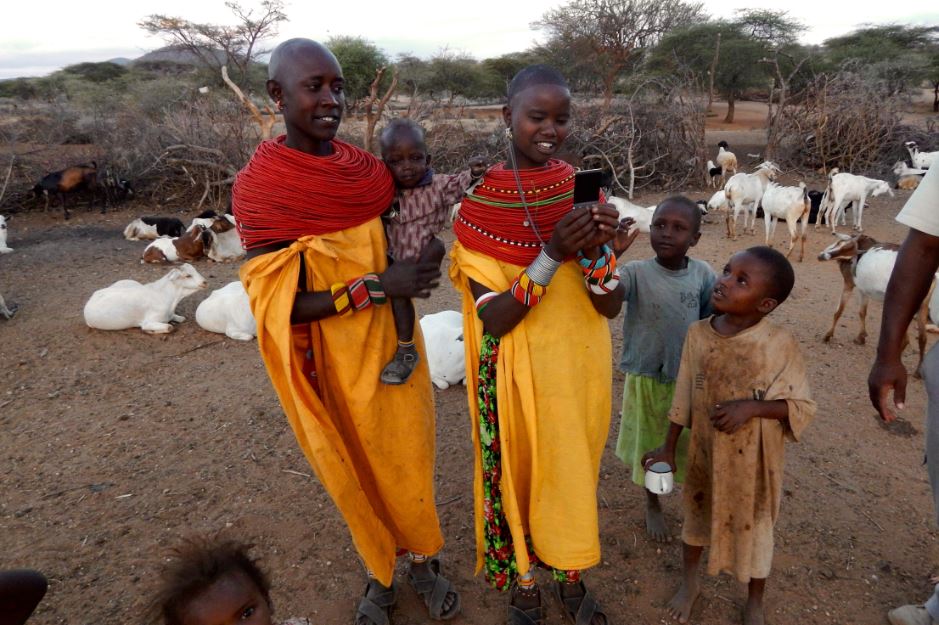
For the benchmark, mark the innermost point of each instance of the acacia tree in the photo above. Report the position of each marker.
(691, 49)
(617, 31)
(215, 45)
(359, 59)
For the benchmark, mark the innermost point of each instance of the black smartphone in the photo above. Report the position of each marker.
(587, 187)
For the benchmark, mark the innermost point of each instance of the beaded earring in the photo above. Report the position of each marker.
(508, 133)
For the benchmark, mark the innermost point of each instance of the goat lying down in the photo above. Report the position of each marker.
(149, 228)
(866, 265)
(6, 311)
(446, 357)
(227, 311)
(190, 246)
(150, 307)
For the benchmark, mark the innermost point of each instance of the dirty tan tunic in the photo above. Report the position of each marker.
(734, 481)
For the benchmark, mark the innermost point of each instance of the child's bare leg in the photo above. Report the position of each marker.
(753, 613)
(683, 602)
(400, 368)
(655, 519)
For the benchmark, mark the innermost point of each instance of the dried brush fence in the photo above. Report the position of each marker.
(845, 121)
(653, 139)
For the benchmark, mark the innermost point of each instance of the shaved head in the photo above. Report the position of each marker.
(532, 76)
(285, 55)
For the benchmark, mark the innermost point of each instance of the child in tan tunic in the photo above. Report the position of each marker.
(742, 390)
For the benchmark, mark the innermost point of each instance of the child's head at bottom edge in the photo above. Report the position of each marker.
(754, 283)
(212, 582)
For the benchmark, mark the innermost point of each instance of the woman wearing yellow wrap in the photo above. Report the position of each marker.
(307, 207)
(538, 286)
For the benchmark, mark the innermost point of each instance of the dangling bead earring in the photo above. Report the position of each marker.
(280, 105)
(508, 133)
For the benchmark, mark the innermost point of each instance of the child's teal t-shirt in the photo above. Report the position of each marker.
(660, 305)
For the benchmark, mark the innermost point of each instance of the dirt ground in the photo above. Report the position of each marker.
(115, 444)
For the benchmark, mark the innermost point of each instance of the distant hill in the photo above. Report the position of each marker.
(174, 54)
(123, 61)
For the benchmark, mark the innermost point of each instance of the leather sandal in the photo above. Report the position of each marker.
(434, 591)
(580, 610)
(376, 604)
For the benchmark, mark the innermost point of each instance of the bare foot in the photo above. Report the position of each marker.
(655, 525)
(683, 602)
(753, 613)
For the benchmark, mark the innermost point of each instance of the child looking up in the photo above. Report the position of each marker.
(742, 390)
(214, 582)
(664, 295)
(422, 203)
(538, 374)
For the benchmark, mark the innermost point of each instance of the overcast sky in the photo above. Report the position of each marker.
(40, 36)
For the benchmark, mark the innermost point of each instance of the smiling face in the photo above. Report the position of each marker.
(406, 156)
(673, 231)
(233, 599)
(539, 117)
(744, 287)
(309, 86)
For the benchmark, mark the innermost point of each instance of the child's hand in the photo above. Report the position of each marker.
(659, 455)
(625, 235)
(478, 164)
(730, 416)
(572, 233)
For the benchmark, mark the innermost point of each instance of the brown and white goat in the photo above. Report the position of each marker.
(190, 246)
(866, 265)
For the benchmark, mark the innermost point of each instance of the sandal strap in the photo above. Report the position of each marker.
(580, 609)
(376, 603)
(532, 616)
(372, 611)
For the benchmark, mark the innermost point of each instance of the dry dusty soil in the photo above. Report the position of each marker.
(115, 444)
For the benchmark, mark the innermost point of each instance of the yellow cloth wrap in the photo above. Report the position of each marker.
(371, 445)
(553, 387)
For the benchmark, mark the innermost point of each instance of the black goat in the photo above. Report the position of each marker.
(69, 180)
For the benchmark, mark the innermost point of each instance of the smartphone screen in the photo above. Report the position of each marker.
(587, 187)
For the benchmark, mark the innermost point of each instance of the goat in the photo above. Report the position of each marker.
(446, 356)
(717, 202)
(843, 187)
(149, 228)
(223, 243)
(641, 215)
(227, 311)
(205, 218)
(3, 235)
(150, 307)
(714, 172)
(69, 180)
(791, 204)
(867, 265)
(190, 246)
(7, 312)
(744, 192)
(908, 178)
(922, 160)
(726, 159)
(116, 189)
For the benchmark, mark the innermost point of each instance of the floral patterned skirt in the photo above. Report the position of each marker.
(499, 550)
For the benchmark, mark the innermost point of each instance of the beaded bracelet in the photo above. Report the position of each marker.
(341, 299)
(357, 294)
(483, 301)
(527, 291)
(600, 274)
(605, 287)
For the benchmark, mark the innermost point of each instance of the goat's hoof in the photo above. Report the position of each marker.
(827, 338)
(860, 340)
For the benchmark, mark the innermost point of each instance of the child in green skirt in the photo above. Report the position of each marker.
(664, 295)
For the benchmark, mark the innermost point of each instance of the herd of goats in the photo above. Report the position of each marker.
(865, 264)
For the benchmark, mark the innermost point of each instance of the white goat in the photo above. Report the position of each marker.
(726, 159)
(227, 311)
(224, 244)
(844, 188)
(149, 228)
(867, 265)
(150, 307)
(641, 215)
(3, 236)
(744, 192)
(791, 204)
(446, 357)
(718, 202)
(922, 160)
